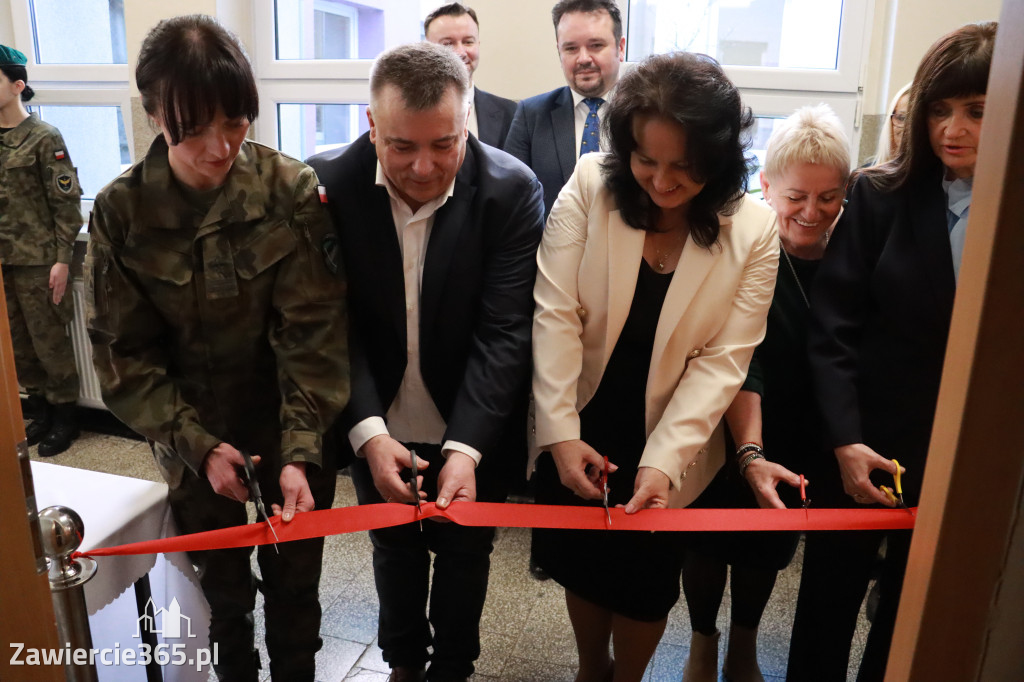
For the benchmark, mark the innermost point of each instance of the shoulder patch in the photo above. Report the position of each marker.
(322, 191)
(65, 183)
(59, 154)
(332, 253)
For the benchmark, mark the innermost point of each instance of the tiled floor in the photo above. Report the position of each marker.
(526, 636)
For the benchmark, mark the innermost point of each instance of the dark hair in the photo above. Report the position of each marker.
(454, 9)
(189, 66)
(691, 90)
(422, 72)
(17, 72)
(956, 65)
(571, 6)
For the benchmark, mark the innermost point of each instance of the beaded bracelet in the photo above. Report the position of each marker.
(748, 460)
(749, 447)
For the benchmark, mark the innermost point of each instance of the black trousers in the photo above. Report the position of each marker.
(411, 605)
(289, 580)
(836, 571)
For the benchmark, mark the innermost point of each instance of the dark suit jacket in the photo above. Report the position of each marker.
(493, 117)
(476, 303)
(880, 313)
(543, 136)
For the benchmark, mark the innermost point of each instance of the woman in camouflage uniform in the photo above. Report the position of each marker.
(39, 220)
(218, 326)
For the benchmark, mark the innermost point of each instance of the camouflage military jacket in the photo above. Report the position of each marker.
(228, 327)
(40, 213)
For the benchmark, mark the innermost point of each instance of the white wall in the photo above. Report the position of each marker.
(517, 47)
(902, 32)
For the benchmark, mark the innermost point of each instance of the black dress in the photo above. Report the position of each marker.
(632, 573)
(792, 429)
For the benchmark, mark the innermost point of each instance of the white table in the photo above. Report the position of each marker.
(117, 510)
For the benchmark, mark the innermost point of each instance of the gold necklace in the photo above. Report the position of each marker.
(661, 257)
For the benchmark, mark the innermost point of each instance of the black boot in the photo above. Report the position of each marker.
(33, 405)
(42, 419)
(63, 433)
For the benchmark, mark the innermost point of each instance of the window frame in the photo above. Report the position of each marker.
(21, 18)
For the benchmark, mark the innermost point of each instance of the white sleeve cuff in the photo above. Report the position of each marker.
(454, 445)
(364, 431)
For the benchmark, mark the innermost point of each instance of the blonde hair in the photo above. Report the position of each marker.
(885, 150)
(811, 134)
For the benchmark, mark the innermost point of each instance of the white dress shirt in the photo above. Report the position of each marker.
(413, 416)
(472, 124)
(581, 111)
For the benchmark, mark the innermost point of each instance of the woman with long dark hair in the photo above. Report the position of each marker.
(655, 276)
(880, 314)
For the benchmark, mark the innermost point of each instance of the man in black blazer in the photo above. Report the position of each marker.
(439, 234)
(550, 131)
(454, 25)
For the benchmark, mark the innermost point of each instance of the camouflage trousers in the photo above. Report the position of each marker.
(289, 581)
(43, 353)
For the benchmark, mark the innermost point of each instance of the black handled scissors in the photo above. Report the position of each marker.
(604, 492)
(249, 478)
(414, 486)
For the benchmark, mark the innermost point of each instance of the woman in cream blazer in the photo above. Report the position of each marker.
(717, 276)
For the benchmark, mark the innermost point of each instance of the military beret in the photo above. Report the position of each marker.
(11, 57)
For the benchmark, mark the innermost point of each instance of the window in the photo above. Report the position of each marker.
(96, 141)
(313, 60)
(81, 83)
(307, 129)
(781, 54)
(800, 34)
(327, 29)
(101, 20)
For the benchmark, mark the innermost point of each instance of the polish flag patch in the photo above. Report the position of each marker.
(322, 191)
(59, 154)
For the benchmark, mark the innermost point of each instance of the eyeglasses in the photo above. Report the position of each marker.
(898, 120)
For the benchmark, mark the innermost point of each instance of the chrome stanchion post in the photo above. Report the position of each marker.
(62, 530)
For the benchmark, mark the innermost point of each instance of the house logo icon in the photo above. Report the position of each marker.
(170, 618)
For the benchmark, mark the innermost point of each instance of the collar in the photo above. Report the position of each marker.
(16, 135)
(243, 197)
(577, 97)
(382, 180)
(958, 194)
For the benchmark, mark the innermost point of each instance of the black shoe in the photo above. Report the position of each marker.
(42, 419)
(537, 572)
(63, 433)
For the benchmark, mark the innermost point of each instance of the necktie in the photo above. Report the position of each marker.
(591, 141)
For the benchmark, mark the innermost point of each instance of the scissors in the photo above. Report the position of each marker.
(414, 487)
(249, 478)
(895, 496)
(604, 491)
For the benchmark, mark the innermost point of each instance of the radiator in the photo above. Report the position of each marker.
(89, 393)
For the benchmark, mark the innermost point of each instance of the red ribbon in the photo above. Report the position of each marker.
(326, 522)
